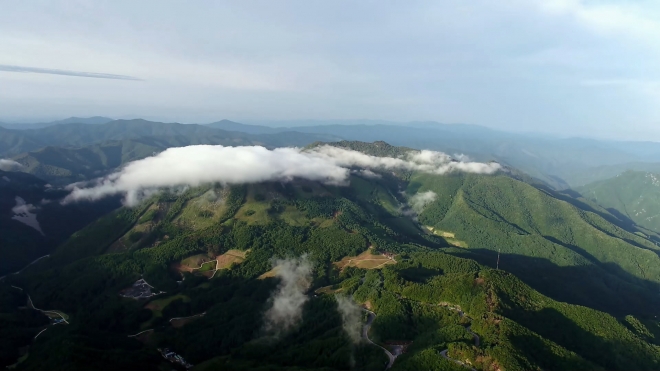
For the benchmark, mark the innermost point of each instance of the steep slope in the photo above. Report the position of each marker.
(635, 194)
(32, 222)
(550, 243)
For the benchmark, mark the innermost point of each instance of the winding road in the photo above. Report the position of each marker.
(365, 334)
(477, 340)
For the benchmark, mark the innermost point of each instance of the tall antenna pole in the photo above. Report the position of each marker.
(498, 259)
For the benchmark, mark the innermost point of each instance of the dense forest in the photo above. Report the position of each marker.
(431, 278)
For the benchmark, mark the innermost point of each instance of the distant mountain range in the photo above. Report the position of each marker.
(96, 120)
(560, 162)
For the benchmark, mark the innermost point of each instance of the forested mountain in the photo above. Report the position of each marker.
(490, 271)
(33, 222)
(635, 194)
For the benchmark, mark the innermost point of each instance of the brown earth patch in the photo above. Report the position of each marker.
(366, 260)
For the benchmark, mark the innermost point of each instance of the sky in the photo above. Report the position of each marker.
(567, 67)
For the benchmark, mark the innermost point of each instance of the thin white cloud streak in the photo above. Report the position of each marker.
(289, 298)
(9, 165)
(50, 71)
(200, 164)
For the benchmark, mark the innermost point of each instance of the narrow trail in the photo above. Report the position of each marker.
(140, 333)
(24, 268)
(31, 305)
(170, 321)
(193, 316)
(365, 334)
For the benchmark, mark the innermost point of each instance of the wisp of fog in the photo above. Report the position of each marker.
(420, 200)
(351, 317)
(199, 164)
(9, 165)
(285, 312)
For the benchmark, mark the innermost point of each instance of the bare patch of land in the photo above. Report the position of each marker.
(140, 290)
(233, 256)
(269, 274)
(366, 260)
(448, 236)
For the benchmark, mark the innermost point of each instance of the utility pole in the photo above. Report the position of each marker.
(498, 259)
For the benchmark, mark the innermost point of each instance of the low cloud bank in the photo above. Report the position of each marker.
(195, 165)
(287, 301)
(9, 165)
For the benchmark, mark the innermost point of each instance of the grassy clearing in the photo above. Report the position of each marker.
(366, 260)
(56, 314)
(323, 223)
(207, 267)
(332, 289)
(203, 211)
(180, 322)
(253, 212)
(292, 216)
(157, 305)
(450, 237)
(226, 260)
(195, 261)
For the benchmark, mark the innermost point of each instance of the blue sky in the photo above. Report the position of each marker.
(569, 67)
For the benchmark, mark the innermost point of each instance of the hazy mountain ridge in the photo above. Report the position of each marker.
(13, 142)
(96, 120)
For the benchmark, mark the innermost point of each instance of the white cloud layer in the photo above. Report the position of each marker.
(199, 164)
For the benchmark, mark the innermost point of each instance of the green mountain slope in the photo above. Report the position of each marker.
(21, 243)
(209, 252)
(635, 194)
(549, 242)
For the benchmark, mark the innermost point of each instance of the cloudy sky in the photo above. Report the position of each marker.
(574, 67)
